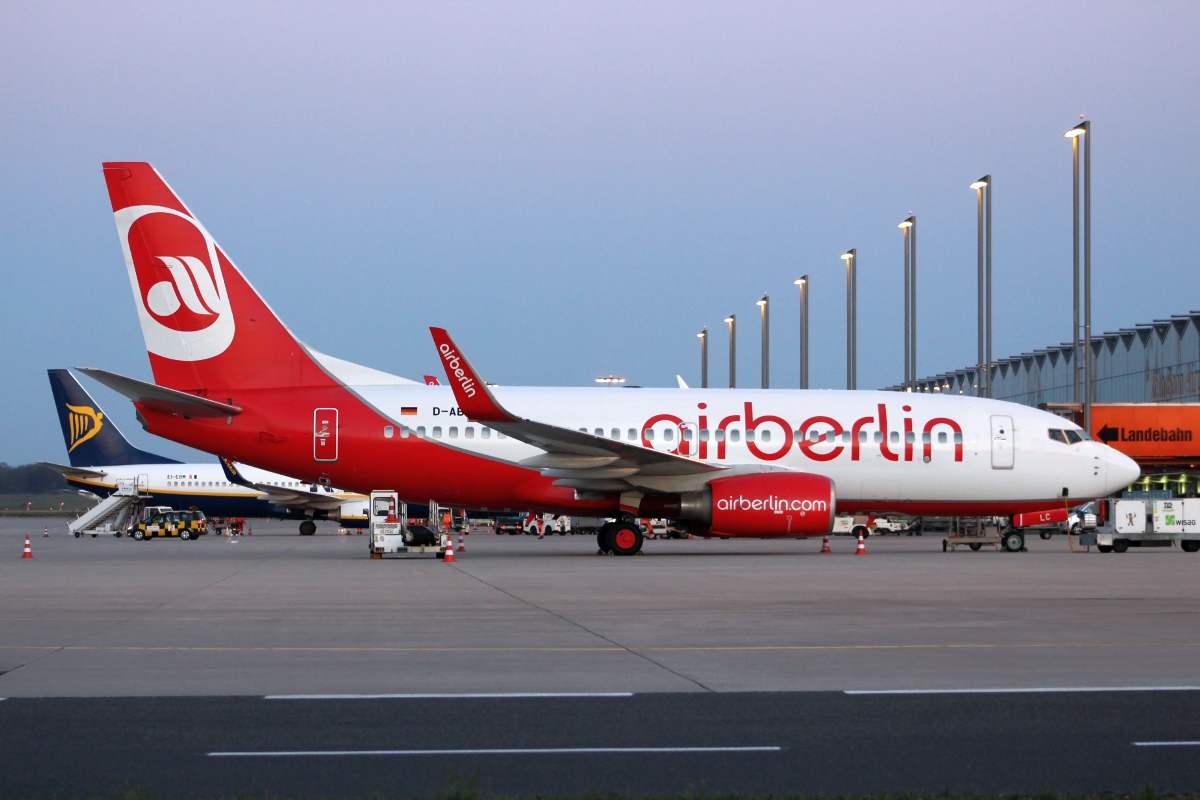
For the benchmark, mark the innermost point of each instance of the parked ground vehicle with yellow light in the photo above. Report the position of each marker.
(187, 525)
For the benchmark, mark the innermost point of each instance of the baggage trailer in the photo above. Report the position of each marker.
(392, 533)
(1122, 524)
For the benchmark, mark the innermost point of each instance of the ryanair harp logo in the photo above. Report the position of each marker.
(84, 422)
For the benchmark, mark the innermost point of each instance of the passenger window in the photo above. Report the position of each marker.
(894, 437)
(420, 430)
(650, 434)
(720, 434)
(862, 435)
(687, 434)
(437, 431)
(404, 431)
(500, 435)
(942, 437)
(735, 435)
(910, 437)
(388, 431)
(704, 434)
(749, 436)
(632, 434)
(814, 436)
(925, 438)
(599, 431)
(846, 437)
(765, 435)
(1073, 437)
(470, 432)
(616, 433)
(453, 431)
(668, 434)
(485, 433)
(958, 438)
(878, 437)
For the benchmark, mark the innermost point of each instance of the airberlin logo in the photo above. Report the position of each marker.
(175, 269)
(770, 503)
(454, 367)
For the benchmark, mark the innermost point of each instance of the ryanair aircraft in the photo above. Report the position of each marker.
(101, 459)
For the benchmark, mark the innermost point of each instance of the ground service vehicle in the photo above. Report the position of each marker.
(187, 525)
(230, 378)
(392, 533)
(1122, 524)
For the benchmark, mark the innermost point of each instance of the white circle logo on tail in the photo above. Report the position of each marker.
(175, 270)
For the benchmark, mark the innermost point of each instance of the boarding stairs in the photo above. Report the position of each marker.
(111, 515)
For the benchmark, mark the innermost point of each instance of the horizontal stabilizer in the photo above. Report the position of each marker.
(65, 470)
(160, 398)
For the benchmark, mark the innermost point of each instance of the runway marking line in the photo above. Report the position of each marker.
(1166, 744)
(1029, 690)
(496, 752)
(479, 696)
(682, 649)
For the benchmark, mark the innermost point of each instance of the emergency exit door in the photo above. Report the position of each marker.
(325, 434)
(1002, 442)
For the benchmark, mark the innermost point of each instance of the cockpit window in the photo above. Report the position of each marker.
(1073, 437)
(1057, 435)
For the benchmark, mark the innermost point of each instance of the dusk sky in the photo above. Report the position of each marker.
(575, 189)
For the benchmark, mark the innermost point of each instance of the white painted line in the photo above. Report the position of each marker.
(1166, 744)
(1029, 690)
(442, 696)
(508, 752)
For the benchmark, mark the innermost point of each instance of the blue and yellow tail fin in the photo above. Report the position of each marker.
(91, 437)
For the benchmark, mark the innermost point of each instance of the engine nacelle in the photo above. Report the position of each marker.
(762, 504)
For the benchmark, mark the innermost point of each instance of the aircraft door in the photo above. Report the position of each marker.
(1002, 442)
(143, 483)
(325, 434)
(689, 440)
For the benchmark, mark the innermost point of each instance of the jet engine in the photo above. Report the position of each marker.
(762, 504)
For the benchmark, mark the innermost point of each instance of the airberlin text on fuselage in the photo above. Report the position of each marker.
(455, 365)
(852, 438)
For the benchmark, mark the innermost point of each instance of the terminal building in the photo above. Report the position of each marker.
(1153, 363)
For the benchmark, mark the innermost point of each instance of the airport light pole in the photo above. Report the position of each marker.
(851, 259)
(983, 204)
(803, 284)
(764, 306)
(1083, 129)
(732, 320)
(909, 226)
(703, 358)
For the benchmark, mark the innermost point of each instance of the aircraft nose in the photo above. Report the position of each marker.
(1122, 471)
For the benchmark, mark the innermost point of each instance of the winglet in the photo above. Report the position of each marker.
(232, 474)
(470, 391)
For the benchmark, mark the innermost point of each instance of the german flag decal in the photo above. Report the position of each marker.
(408, 411)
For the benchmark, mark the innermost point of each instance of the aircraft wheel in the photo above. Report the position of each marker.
(603, 540)
(1104, 548)
(1120, 545)
(308, 528)
(626, 539)
(1190, 545)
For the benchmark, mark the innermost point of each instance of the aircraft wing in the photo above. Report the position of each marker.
(286, 496)
(161, 398)
(65, 470)
(576, 459)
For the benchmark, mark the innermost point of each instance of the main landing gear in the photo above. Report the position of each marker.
(619, 538)
(308, 528)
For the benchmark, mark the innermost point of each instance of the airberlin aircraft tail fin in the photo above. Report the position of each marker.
(206, 328)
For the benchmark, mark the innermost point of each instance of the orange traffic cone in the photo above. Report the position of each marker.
(449, 557)
(251, 531)
(45, 533)
(862, 548)
(690, 536)
(825, 546)
(462, 548)
(28, 553)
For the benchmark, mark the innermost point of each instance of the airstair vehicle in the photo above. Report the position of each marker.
(113, 514)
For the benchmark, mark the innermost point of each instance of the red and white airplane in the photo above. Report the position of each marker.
(231, 379)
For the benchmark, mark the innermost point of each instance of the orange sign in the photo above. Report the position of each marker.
(1149, 430)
